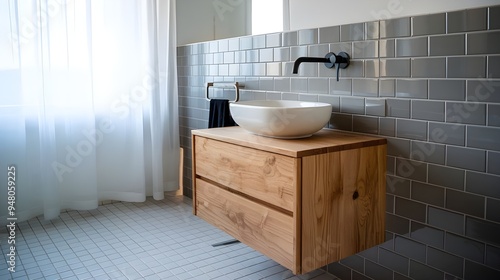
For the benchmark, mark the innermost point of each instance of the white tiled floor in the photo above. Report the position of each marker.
(150, 240)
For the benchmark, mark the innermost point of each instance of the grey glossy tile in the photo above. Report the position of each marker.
(377, 272)
(411, 169)
(398, 108)
(394, 68)
(446, 176)
(447, 90)
(391, 165)
(392, 28)
(410, 248)
(428, 152)
(365, 87)
(483, 137)
(464, 247)
(466, 67)
(296, 52)
(472, 159)
(478, 271)
(252, 55)
(427, 110)
(398, 147)
(318, 85)
(258, 41)
(467, 20)
(411, 88)
(372, 68)
(329, 34)
(334, 100)
(494, 66)
(352, 105)
(365, 49)
(493, 163)
(427, 194)
(273, 40)
(239, 57)
(213, 47)
(422, 271)
(466, 203)
(273, 69)
(494, 18)
(467, 113)
(446, 220)
(397, 224)
(483, 184)
(298, 85)
(411, 47)
(492, 256)
(410, 209)
(393, 261)
(494, 115)
(246, 69)
(339, 270)
(482, 230)
(453, 134)
(341, 47)
(258, 69)
(387, 126)
(483, 43)
(266, 83)
(265, 55)
(426, 234)
(229, 57)
(483, 91)
(308, 97)
(223, 45)
(341, 121)
(429, 24)
(354, 262)
(223, 70)
(387, 48)
(365, 124)
(355, 70)
(308, 36)
(318, 50)
(428, 67)
(246, 43)
(387, 87)
(352, 32)
(282, 84)
(372, 30)
(493, 210)
(447, 45)
(342, 87)
(290, 39)
(445, 261)
(234, 70)
(282, 54)
(375, 107)
(234, 44)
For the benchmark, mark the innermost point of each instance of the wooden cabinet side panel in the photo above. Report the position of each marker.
(193, 170)
(343, 204)
(262, 228)
(321, 210)
(263, 175)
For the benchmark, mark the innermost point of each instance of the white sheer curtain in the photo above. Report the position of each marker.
(88, 103)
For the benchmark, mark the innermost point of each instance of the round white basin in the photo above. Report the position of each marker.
(281, 118)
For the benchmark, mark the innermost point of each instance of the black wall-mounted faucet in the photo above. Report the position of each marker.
(330, 60)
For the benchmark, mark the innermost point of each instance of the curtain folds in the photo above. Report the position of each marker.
(88, 103)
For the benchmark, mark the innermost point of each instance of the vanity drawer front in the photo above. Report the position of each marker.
(265, 176)
(262, 228)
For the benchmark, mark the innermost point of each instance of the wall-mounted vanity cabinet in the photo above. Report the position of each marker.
(304, 203)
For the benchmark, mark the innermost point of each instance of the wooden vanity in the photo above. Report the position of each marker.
(304, 203)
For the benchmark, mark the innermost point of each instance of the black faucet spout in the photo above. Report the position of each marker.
(308, 59)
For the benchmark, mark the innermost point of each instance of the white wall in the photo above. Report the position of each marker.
(320, 13)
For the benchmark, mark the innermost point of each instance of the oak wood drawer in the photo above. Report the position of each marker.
(262, 228)
(263, 175)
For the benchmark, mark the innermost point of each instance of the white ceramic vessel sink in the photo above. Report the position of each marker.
(281, 118)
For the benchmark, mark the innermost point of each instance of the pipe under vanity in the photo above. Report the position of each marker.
(331, 60)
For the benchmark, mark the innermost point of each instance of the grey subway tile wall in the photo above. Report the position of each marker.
(430, 85)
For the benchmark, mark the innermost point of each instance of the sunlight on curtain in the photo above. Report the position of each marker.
(88, 102)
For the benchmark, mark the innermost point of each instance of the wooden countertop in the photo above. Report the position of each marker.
(323, 141)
